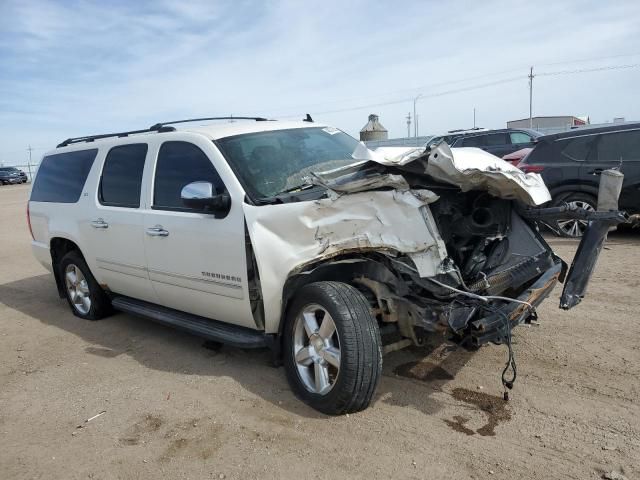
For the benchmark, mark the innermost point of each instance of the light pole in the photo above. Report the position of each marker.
(531, 75)
(415, 121)
(29, 164)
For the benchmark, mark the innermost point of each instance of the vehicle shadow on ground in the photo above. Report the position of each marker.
(410, 377)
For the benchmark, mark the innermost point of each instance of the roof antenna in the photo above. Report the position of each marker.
(308, 118)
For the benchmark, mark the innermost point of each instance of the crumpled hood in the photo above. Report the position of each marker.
(467, 168)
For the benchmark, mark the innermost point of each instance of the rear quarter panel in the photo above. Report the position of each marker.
(51, 219)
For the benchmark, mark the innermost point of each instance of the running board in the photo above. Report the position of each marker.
(233, 335)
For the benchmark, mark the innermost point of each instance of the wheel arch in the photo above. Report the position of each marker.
(563, 191)
(344, 269)
(59, 247)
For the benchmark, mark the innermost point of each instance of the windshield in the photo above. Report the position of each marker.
(268, 163)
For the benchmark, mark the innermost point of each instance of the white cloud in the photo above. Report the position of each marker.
(83, 67)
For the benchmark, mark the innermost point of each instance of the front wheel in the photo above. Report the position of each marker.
(332, 348)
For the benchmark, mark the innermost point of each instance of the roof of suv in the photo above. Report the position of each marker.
(214, 129)
(530, 131)
(226, 129)
(578, 132)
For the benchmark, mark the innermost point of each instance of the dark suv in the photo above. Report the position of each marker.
(12, 175)
(499, 142)
(570, 164)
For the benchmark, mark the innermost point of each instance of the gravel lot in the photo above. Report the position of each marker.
(176, 410)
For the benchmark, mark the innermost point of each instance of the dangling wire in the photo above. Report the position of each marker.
(507, 383)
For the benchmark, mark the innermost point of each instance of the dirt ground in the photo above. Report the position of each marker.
(173, 409)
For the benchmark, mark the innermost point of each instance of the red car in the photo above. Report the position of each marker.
(516, 157)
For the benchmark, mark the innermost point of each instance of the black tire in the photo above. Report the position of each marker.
(100, 306)
(359, 344)
(581, 199)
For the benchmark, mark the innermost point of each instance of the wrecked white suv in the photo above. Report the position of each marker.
(294, 236)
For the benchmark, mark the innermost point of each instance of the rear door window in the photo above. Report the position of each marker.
(61, 177)
(477, 141)
(121, 179)
(180, 163)
(496, 139)
(577, 148)
(620, 146)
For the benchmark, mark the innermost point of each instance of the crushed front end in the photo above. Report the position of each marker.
(499, 269)
(496, 267)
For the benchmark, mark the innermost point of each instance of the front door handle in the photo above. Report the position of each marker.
(157, 231)
(99, 223)
(596, 171)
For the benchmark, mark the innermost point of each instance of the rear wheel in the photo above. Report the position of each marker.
(332, 348)
(575, 228)
(86, 298)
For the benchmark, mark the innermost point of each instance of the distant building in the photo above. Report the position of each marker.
(550, 124)
(373, 130)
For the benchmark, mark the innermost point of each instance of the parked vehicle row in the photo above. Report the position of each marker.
(571, 163)
(497, 142)
(11, 175)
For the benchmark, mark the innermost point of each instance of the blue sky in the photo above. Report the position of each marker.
(71, 68)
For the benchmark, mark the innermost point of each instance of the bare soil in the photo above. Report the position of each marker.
(174, 409)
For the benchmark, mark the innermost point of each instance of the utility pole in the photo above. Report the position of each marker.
(531, 75)
(29, 163)
(415, 118)
(474, 117)
(408, 124)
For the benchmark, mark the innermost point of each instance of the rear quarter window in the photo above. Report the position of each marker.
(61, 177)
(620, 146)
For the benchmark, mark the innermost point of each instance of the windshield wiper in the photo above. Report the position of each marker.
(304, 186)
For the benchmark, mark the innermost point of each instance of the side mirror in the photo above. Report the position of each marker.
(202, 196)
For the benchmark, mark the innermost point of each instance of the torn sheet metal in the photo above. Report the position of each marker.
(285, 237)
(475, 169)
(358, 178)
(470, 169)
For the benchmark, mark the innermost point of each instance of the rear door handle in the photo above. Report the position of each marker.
(157, 231)
(596, 171)
(99, 223)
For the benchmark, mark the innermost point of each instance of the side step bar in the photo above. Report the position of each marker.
(228, 334)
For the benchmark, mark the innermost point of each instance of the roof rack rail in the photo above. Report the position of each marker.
(474, 129)
(158, 127)
(162, 124)
(91, 138)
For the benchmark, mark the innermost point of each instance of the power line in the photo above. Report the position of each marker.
(592, 59)
(404, 100)
(470, 88)
(586, 70)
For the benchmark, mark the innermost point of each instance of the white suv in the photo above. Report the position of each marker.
(294, 236)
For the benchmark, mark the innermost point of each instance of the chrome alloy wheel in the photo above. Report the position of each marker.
(575, 228)
(77, 288)
(316, 349)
